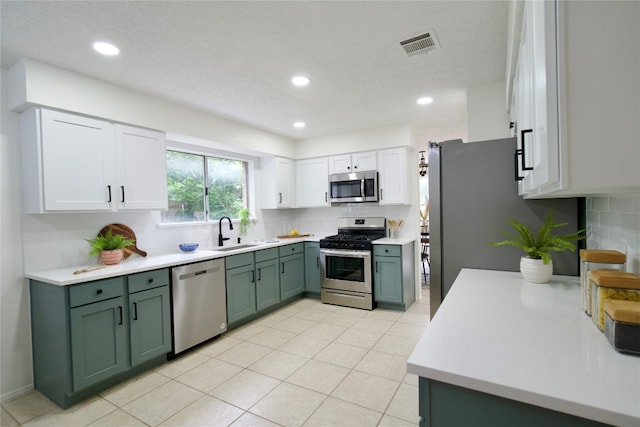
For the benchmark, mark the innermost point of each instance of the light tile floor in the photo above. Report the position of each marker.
(307, 364)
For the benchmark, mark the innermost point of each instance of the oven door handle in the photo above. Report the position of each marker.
(346, 253)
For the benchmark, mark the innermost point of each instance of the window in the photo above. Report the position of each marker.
(204, 188)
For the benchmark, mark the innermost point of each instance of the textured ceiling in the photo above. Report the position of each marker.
(236, 58)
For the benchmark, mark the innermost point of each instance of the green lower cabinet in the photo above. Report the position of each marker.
(387, 279)
(394, 276)
(447, 405)
(241, 293)
(99, 345)
(291, 275)
(312, 271)
(267, 284)
(91, 336)
(150, 324)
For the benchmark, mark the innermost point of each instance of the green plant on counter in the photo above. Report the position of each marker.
(108, 242)
(245, 221)
(539, 245)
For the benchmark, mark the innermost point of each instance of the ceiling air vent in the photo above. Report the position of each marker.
(420, 44)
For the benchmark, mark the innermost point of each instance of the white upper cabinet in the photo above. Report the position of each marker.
(347, 163)
(392, 177)
(142, 169)
(277, 180)
(74, 163)
(312, 183)
(577, 98)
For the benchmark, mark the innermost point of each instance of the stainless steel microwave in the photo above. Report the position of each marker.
(353, 187)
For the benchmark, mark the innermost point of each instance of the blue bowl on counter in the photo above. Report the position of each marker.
(188, 247)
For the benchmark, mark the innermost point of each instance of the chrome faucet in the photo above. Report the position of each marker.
(220, 238)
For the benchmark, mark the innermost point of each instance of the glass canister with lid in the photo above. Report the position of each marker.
(591, 259)
(611, 284)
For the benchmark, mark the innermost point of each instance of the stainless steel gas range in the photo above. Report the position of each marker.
(345, 258)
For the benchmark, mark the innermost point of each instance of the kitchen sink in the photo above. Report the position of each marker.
(232, 248)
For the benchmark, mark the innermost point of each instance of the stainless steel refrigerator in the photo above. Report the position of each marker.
(472, 192)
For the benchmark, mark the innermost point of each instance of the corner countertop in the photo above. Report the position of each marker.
(498, 334)
(399, 241)
(137, 264)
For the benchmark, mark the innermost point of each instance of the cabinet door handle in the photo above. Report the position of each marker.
(516, 166)
(318, 261)
(253, 276)
(109, 193)
(326, 195)
(120, 311)
(259, 274)
(122, 191)
(376, 266)
(524, 152)
(280, 196)
(381, 194)
(282, 263)
(135, 311)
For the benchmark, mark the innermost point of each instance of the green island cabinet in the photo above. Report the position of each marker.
(90, 336)
(291, 270)
(312, 271)
(253, 284)
(394, 276)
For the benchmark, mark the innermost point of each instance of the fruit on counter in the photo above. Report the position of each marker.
(293, 232)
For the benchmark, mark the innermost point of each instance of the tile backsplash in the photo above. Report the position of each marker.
(613, 222)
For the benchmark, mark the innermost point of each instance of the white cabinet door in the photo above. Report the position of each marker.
(77, 162)
(392, 176)
(277, 182)
(366, 161)
(142, 169)
(543, 96)
(347, 163)
(340, 164)
(576, 109)
(312, 183)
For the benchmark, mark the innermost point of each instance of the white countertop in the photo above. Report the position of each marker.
(497, 334)
(136, 263)
(398, 241)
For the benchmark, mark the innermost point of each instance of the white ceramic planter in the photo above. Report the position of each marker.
(535, 271)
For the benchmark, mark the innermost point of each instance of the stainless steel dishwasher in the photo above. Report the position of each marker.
(199, 303)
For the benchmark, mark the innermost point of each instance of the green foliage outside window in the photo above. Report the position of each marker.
(186, 177)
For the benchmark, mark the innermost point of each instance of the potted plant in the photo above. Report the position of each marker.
(537, 266)
(109, 246)
(245, 221)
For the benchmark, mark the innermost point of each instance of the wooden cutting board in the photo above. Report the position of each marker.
(128, 233)
(288, 236)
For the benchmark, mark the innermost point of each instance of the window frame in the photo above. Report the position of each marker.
(210, 152)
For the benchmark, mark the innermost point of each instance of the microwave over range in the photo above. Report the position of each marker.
(353, 187)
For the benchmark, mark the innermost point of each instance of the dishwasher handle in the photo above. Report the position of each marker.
(198, 273)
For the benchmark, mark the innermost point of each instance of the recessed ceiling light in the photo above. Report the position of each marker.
(300, 81)
(425, 100)
(106, 48)
(299, 125)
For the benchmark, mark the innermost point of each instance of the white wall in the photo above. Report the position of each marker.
(15, 338)
(487, 116)
(401, 134)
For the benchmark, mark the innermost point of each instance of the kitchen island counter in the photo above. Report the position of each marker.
(497, 335)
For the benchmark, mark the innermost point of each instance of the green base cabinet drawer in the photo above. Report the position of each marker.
(87, 293)
(148, 280)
